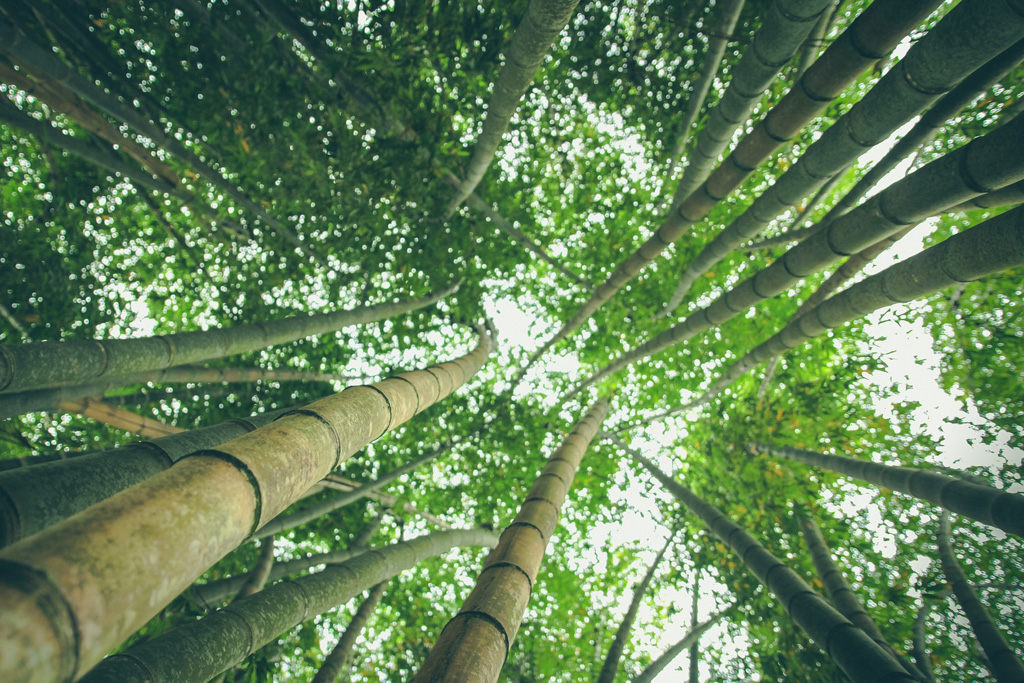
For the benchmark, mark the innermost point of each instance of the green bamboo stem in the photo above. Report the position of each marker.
(257, 578)
(198, 651)
(104, 586)
(335, 668)
(970, 35)
(290, 521)
(55, 364)
(730, 15)
(874, 33)
(475, 644)
(37, 497)
(540, 27)
(860, 658)
(1007, 196)
(814, 41)
(843, 597)
(785, 28)
(985, 504)
(611, 662)
(215, 592)
(1003, 662)
(968, 171)
(691, 639)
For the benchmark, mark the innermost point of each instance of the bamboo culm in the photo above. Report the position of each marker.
(335, 668)
(983, 503)
(874, 33)
(691, 638)
(537, 32)
(853, 651)
(929, 69)
(54, 364)
(968, 171)
(198, 651)
(475, 644)
(1002, 660)
(204, 506)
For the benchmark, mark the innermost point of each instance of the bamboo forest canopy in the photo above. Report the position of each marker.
(689, 208)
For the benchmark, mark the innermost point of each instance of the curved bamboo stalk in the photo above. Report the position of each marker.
(197, 651)
(46, 66)
(611, 662)
(842, 595)
(785, 28)
(931, 68)
(851, 649)
(876, 31)
(730, 14)
(1002, 660)
(336, 664)
(540, 27)
(475, 643)
(970, 170)
(985, 504)
(55, 364)
(91, 567)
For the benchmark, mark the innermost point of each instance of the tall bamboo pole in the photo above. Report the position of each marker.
(55, 364)
(197, 651)
(475, 643)
(74, 591)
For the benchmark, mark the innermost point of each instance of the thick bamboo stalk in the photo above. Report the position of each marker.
(110, 568)
(874, 33)
(785, 28)
(215, 592)
(985, 504)
(335, 668)
(1003, 662)
(45, 65)
(119, 418)
(294, 519)
(691, 639)
(475, 643)
(1007, 196)
(55, 364)
(860, 658)
(36, 497)
(730, 14)
(970, 35)
(842, 595)
(973, 169)
(540, 27)
(197, 651)
(611, 662)
(257, 578)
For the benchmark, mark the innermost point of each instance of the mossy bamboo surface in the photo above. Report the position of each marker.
(475, 644)
(54, 364)
(970, 35)
(74, 591)
(540, 27)
(1003, 662)
(874, 33)
(36, 497)
(860, 658)
(197, 651)
(971, 170)
(985, 504)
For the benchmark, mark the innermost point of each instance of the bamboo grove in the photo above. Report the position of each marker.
(531, 341)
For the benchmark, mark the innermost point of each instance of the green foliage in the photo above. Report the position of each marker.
(86, 254)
